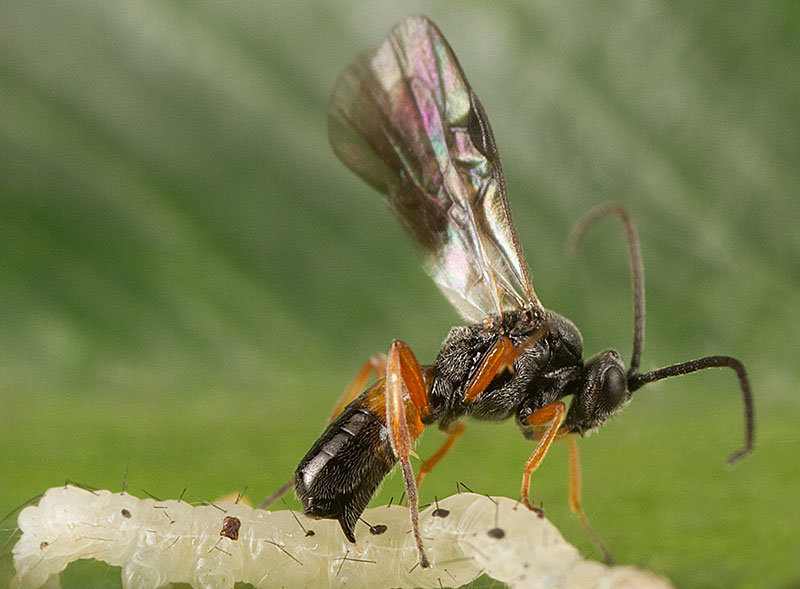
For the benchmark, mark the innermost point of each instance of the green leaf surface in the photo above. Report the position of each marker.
(188, 277)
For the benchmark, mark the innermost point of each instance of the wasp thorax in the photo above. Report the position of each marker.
(600, 392)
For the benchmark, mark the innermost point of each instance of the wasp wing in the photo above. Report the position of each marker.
(404, 118)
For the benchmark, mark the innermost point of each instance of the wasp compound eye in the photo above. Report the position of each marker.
(613, 387)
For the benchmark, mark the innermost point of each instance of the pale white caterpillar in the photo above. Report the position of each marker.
(215, 546)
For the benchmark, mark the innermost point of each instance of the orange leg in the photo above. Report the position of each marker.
(575, 480)
(495, 359)
(406, 404)
(454, 432)
(500, 356)
(554, 413)
(359, 383)
(354, 388)
(575, 498)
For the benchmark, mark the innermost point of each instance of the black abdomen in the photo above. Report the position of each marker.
(340, 473)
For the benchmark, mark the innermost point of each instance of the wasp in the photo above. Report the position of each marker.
(404, 118)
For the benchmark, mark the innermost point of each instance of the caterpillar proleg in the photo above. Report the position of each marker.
(215, 546)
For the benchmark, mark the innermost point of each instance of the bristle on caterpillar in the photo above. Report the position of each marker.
(210, 546)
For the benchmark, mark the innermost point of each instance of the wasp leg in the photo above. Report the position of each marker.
(499, 357)
(354, 388)
(406, 405)
(501, 354)
(454, 432)
(554, 413)
(575, 498)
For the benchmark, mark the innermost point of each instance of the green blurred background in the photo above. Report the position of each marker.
(188, 277)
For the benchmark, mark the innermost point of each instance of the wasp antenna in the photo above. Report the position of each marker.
(580, 228)
(640, 380)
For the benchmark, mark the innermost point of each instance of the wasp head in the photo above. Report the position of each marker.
(600, 392)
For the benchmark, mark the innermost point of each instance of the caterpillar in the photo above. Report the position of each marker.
(217, 545)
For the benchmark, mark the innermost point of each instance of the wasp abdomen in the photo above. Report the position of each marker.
(341, 472)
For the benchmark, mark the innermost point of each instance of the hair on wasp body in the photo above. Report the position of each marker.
(404, 118)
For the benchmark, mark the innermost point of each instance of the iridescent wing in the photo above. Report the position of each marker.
(404, 118)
